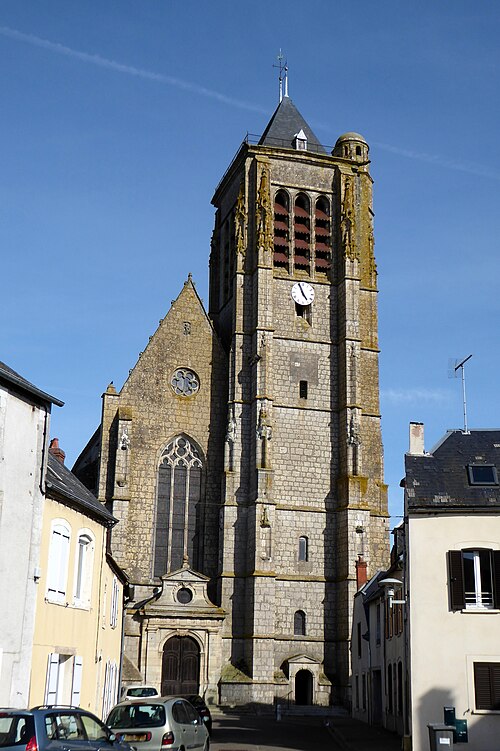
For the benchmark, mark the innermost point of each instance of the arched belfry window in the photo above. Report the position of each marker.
(178, 506)
(323, 234)
(281, 229)
(301, 232)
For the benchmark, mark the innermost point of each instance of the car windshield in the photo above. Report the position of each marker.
(142, 691)
(137, 716)
(15, 729)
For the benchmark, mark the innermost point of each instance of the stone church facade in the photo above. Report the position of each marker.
(243, 455)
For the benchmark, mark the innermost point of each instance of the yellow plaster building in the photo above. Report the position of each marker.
(78, 621)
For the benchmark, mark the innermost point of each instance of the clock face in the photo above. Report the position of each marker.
(302, 293)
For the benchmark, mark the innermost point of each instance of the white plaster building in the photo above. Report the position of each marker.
(24, 430)
(444, 642)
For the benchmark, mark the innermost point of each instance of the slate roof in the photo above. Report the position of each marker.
(439, 480)
(284, 126)
(14, 379)
(64, 486)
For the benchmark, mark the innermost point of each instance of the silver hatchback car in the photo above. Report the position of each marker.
(159, 724)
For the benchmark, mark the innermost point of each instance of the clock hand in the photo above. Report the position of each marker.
(302, 291)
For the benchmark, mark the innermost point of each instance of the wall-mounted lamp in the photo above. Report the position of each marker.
(389, 586)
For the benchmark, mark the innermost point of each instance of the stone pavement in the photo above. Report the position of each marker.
(245, 731)
(352, 735)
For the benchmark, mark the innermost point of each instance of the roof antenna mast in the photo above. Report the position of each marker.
(283, 78)
(454, 367)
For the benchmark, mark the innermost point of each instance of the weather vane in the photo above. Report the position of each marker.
(283, 68)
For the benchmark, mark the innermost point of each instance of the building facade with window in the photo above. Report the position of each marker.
(243, 454)
(78, 624)
(425, 641)
(452, 507)
(24, 430)
(379, 674)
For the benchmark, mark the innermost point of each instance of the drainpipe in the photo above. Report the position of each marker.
(43, 463)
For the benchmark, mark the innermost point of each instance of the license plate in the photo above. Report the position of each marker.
(138, 737)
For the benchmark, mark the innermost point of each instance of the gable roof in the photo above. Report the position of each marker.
(187, 293)
(12, 378)
(65, 487)
(439, 479)
(284, 125)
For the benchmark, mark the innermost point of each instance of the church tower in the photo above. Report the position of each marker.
(242, 457)
(293, 298)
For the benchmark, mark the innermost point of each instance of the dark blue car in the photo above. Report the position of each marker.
(55, 728)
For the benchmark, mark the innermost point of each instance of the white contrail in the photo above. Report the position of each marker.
(408, 395)
(130, 70)
(441, 161)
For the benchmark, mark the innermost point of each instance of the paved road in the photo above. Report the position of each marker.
(251, 733)
(233, 732)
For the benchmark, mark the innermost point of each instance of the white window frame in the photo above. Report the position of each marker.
(84, 559)
(58, 559)
(482, 599)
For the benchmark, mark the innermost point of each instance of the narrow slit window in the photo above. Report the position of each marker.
(303, 389)
(299, 623)
(303, 549)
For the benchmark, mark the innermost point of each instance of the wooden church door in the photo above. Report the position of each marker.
(180, 666)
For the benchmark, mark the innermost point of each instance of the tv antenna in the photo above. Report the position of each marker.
(283, 67)
(454, 366)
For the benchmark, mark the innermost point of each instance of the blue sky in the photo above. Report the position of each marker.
(118, 119)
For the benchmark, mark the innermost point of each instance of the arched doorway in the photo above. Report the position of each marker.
(303, 687)
(180, 668)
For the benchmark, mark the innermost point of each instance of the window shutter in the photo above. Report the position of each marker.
(52, 679)
(456, 580)
(496, 577)
(77, 681)
(487, 685)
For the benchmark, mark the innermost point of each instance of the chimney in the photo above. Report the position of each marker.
(56, 451)
(416, 439)
(361, 572)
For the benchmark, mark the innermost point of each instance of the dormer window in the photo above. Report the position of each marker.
(300, 141)
(482, 474)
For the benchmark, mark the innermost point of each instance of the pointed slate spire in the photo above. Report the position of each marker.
(284, 126)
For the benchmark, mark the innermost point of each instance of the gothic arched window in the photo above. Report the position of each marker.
(299, 623)
(177, 507)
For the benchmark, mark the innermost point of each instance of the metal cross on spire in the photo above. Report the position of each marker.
(283, 77)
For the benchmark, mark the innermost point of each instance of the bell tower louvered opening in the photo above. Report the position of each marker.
(322, 235)
(281, 229)
(302, 233)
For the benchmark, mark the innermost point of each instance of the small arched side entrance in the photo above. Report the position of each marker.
(303, 687)
(180, 669)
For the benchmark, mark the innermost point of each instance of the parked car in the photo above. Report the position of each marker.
(138, 691)
(157, 724)
(55, 728)
(202, 709)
